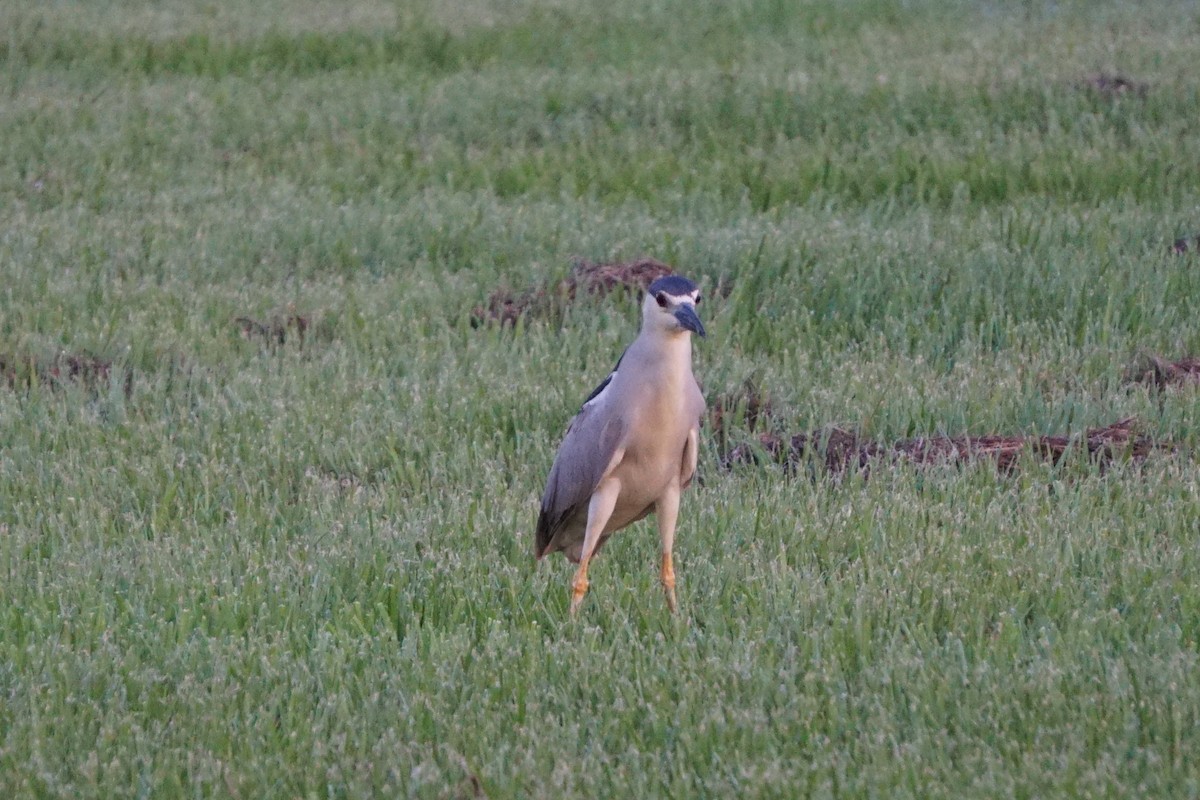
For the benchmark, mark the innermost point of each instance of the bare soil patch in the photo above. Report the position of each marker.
(1112, 85)
(748, 407)
(1186, 244)
(505, 307)
(275, 331)
(840, 450)
(1161, 372)
(21, 372)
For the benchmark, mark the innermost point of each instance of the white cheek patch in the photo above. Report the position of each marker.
(675, 300)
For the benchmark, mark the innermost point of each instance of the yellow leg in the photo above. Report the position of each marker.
(579, 586)
(600, 508)
(667, 511)
(668, 580)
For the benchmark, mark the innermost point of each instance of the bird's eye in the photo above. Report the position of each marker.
(698, 299)
(662, 300)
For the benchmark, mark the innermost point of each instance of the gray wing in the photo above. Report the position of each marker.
(691, 457)
(591, 441)
(691, 450)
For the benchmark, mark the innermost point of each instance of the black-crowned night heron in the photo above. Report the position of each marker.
(632, 448)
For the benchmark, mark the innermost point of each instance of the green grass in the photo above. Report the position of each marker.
(305, 570)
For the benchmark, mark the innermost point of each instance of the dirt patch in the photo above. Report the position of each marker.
(601, 279)
(1161, 373)
(1111, 85)
(505, 307)
(275, 331)
(748, 408)
(1186, 244)
(839, 450)
(343, 483)
(19, 372)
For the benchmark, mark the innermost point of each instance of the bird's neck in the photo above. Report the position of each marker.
(671, 350)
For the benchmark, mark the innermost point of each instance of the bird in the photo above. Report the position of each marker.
(633, 447)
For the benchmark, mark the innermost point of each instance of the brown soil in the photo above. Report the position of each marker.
(505, 307)
(1110, 85)
(748, 406)
(25, 372)
(276, 330)
(1160, 372)
(841, 450)
(1186, 244)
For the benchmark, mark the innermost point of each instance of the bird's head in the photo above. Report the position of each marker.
(670, 306)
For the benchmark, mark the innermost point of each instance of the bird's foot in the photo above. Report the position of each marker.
(579, 588)
(668, 581)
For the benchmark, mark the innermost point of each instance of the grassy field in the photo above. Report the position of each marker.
(304, 569)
